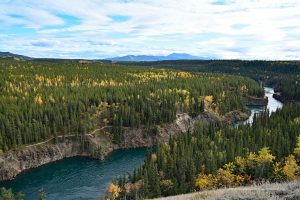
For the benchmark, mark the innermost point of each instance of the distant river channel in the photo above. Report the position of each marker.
(272, 106)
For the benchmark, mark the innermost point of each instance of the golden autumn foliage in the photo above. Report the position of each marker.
(38, 100)
(264, 156)
(184, 74)
(205, 181)
(241, 164)
(251, 159)
(241, 171)
(208, 99)
(114, 191)
(212, 104)
(159, 75)
(291, 169)
(225, 178)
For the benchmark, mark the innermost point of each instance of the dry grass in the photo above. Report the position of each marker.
(266, 191)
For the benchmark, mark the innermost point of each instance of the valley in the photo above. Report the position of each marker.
(61, 170)
(76, 116)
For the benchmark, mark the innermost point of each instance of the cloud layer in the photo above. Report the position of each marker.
(230, 29)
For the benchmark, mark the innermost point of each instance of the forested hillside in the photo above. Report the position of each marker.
(42, 99)
(220, 157)
(283, 75)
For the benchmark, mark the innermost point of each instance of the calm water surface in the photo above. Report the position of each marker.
(76, 178)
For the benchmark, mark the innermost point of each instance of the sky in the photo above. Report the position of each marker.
(95, 29)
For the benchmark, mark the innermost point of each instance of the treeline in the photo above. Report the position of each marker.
(42, 99)
(283, 75)
(288, 87)
(219, 157)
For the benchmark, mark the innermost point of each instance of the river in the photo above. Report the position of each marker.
(76, 178)
(83, 178)
(272, 106)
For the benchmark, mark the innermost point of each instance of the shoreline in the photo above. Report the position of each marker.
(18, 161)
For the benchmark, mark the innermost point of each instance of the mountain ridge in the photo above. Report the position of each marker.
(141, 58)
(126, 58)
(12, 55)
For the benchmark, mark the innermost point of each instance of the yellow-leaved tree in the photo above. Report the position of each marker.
(204, 181)
(225, 176)
(114, 191)
(291, 169)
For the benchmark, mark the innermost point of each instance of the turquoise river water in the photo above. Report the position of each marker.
(76, 178)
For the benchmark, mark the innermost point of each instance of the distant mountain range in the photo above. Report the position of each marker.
(12, 55)
(128, 58)
(173, 56)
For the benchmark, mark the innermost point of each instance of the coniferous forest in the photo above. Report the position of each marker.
(220, 157)
(42, 99)
(282, 75)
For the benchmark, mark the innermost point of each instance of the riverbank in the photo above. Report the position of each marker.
(98, 144)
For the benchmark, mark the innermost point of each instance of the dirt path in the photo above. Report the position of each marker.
(66, 136)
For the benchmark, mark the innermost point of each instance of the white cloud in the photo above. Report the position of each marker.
(270, 29)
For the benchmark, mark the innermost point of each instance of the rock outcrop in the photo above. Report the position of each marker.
(256, 101)
(96, 146)
(18, 160)
(236, 116)
(141, 137)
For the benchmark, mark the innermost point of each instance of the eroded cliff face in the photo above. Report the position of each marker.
(96, 146)
(140, 137)
(16, 161)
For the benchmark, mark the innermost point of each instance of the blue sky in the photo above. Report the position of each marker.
(223, 29)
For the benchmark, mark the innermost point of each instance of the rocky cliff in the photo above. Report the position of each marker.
(236, 116)
(96, 146)
(15, 161)
(140, 137)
